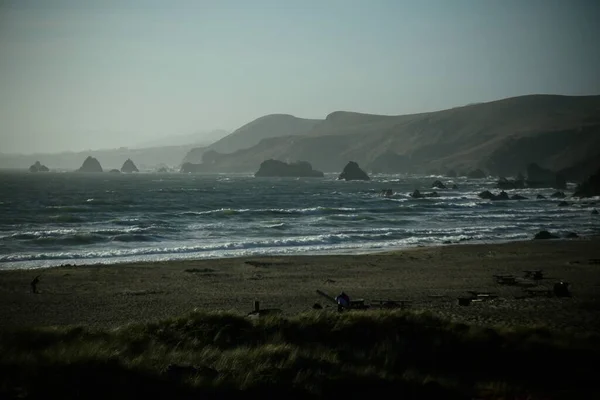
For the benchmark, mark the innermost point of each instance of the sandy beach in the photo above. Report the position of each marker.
(431, 277)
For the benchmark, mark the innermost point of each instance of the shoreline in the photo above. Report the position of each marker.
(118, 261)
(432, 278)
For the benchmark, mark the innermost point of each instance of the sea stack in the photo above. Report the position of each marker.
(90, 165)
(541, 177)
(352, 172)
(129, 167)
(38, 167)
(589, 188)
(276, 168)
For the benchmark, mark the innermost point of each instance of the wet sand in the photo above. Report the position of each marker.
(431, 277)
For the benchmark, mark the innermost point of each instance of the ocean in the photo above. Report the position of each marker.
(49, 219)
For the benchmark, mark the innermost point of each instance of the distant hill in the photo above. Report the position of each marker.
(501, 137)
(269, 126)
(200, 139)
(145, 159)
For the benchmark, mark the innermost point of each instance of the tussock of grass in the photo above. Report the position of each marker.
(319, 354)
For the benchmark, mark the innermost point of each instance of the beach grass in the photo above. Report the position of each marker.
(317, 354)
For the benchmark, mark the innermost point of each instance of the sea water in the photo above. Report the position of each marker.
(49, 219)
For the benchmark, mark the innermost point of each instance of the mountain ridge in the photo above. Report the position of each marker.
(461, 138)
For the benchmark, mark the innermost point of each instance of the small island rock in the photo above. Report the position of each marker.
(38, 167)
(545, 235)
(491, 196)
(542, 177)
(129, 167)
(276, 168)
(90, 165)
(352, 172)
(438, 185)
(589, 188)
(114, 171)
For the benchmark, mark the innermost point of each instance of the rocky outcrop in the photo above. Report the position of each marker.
(114, 171)
(518, 197)
(276, 168)
(542, 177)
(438, 185)
(38, 167)
(476, 174)
(589, 188)
(545, 235)
(352, 172)
(129, 167)
(418, 195)
(490, 196)
(506, 184)
(90, 165)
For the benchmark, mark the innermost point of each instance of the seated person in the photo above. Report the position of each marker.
(343, 300)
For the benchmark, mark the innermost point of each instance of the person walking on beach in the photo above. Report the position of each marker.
(34, 283)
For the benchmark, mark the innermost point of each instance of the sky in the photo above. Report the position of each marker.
(83, 74)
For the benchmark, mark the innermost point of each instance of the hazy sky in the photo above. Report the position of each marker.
(94, 74)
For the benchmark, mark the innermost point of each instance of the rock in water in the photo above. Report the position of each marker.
(114, 171)
(502, 196)
(486, 194)
(38, 167)
(129, 167)
(545, 235)
(541, 177)
(352, 172)
(589, 188)
(504, 183)
(540, 197)
(438, 185)
(563, 204)
(90, 165)
(518, 197)
(276, 168)
(594, 212)
(558, 195)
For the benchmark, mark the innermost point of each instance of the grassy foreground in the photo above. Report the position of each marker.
(374, 353)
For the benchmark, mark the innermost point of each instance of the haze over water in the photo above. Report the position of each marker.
(57, 218)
